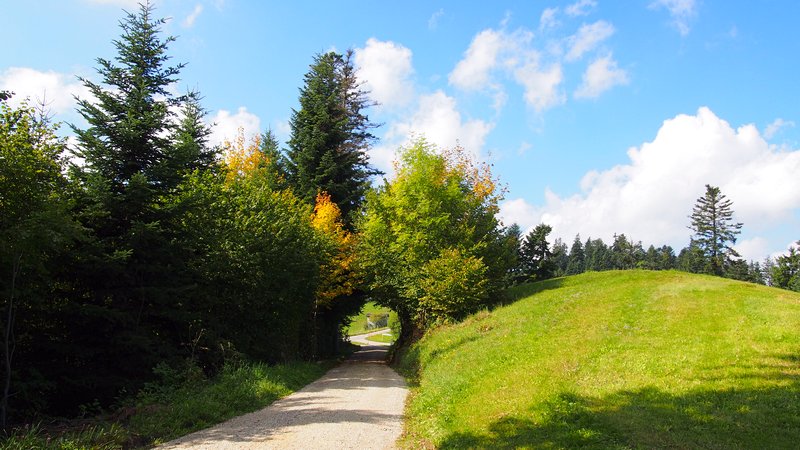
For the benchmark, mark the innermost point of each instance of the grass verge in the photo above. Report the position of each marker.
(384, 338)
(613, 360)
(161, 413)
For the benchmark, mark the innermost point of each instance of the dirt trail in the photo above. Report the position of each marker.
(358, 404)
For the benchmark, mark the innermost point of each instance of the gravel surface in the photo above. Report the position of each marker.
(358, 404)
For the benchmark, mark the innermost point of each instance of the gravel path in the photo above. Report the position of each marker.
(358, 404)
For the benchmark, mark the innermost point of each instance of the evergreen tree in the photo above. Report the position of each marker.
(597, 255)
(714, 230)
(331, 135)
(560, 257)
(786, 271)
(537, 259)
(577, 257)
(133, 275)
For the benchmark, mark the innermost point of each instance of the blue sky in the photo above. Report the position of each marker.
(600, 117)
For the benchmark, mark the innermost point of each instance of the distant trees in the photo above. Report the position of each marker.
(714, 230)
(331, 135)
(785, 272)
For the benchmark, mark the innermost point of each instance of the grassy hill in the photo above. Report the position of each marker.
(629, 359)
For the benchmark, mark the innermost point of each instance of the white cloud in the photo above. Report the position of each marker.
(588, 38)
(580, 8)
(776, 125)
(600, 76)
(518, 211)
(681, 11)
(541, 85)
(651, 197)
(433, 22)
(472, 72)
(54, 88)
(188, 22)
(225, 126)
(754, 249)
(438, 119)
(386, 70)
(548, 19)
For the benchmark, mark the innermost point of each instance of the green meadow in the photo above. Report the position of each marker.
(632, 359)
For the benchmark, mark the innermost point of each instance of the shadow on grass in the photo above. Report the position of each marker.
(527, 289)
(758, 417)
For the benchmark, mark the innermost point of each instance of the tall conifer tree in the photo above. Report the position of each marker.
(129, 283)
(331, 135)
(714, 230)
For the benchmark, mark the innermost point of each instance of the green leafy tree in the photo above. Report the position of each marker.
(34, 226)
(331, 135)
(431, 247)
(537, 259)
(714, 230)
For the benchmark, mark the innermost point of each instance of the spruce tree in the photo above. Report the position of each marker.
(331, 135)
(130, 284)
(714, 230)
(537, 259)
(577, 257)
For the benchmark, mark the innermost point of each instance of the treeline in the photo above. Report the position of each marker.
(710, 251)
(141, 245)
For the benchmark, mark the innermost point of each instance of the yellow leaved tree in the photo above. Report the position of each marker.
(337, 278)
(243, 158)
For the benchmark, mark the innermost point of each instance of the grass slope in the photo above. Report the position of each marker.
(629, 359)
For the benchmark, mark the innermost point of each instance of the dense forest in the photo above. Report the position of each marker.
(140, 245)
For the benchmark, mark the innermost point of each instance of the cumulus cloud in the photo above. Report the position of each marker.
(225, 126)
(650, 197)
(580, 8)
(385, 68)
(472, 72)
(600, 76)
(56, 89)
(588, 38)
(681, 12)
(437, 118)
(520, 212)
(542, 85)
(776, 125)
(189, 21)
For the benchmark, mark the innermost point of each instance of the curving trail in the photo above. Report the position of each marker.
(358, 404)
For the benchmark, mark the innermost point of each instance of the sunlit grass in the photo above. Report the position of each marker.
(614, 360)
(359, 323)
